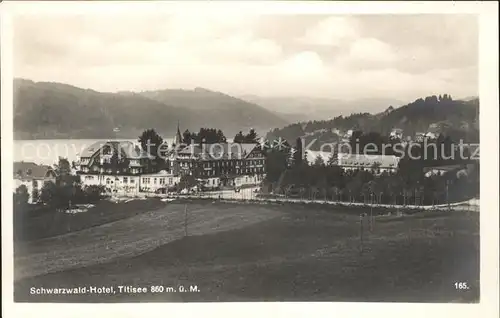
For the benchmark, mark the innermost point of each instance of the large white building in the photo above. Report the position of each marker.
(213, 166)
(233, 164)
(131, 172)
(381, 163)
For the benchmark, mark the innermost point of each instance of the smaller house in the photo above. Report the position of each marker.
(158, 182)
(459, 170)
(396, 133)
(420, 136)
(210, 183)
(32, 176)
(347, 136)
(439, 171)
(431, 135)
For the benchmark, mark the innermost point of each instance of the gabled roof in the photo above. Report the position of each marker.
(219, 150)
(127, 148)
(92, 149)
(30, 170)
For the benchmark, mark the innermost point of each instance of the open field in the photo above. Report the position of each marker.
(260, 253)
(46, 222)
(128, 237)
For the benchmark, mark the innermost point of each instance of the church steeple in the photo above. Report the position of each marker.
(178, 136)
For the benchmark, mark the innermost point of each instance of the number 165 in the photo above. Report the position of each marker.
(461, 285)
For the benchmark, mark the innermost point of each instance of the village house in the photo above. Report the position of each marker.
(32, 176)
(347, 136)
(420, 136)
(458, 170)
(159, 182)
(396, 133)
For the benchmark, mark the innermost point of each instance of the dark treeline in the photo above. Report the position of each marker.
(289, 174)
(205, 135)
(251, 137)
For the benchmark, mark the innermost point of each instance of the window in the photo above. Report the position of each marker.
(107, 150)
(154, 180)
(132, 180)
(125, 180)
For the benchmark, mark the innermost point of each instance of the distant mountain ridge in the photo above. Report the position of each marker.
(457, 118)
(47, 110)
(311, 108)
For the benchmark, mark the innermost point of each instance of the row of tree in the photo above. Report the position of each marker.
(289, 173)
(205, 135)
(333, 183)
(251, 137)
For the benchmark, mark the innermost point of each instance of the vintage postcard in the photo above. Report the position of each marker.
(250, 154)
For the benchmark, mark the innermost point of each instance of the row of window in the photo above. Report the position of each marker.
(238, 171)
(231, 163)
(149, 180)
(102, 170)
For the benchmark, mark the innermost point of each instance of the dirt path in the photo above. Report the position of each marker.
(130, 237)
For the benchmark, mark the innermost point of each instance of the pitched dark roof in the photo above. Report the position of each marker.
(128, 149)
(218, 151)
(30, 170)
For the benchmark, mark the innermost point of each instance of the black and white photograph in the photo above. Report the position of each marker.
(242, 156)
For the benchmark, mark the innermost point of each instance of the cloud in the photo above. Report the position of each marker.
(332, 31)
(331, 56)
(372, 50)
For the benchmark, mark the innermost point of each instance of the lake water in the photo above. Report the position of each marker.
(48, 151)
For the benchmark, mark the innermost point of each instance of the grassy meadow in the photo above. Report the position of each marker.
(236, 252)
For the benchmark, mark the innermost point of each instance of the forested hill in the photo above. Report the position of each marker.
(44, 110)
(439, 114)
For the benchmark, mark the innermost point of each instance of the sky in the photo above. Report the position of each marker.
(334, 56)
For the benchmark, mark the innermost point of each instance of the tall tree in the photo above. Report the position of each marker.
(251, 137)
(21, 195)
(220, 136)
(319, 162)
(239, 138)
(150, 142)
(187, 137)
(63, 167)
(333, 160)
(49, 194)
(298, 154)
(209, 136)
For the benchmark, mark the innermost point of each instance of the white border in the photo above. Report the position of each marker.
(488, 307)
